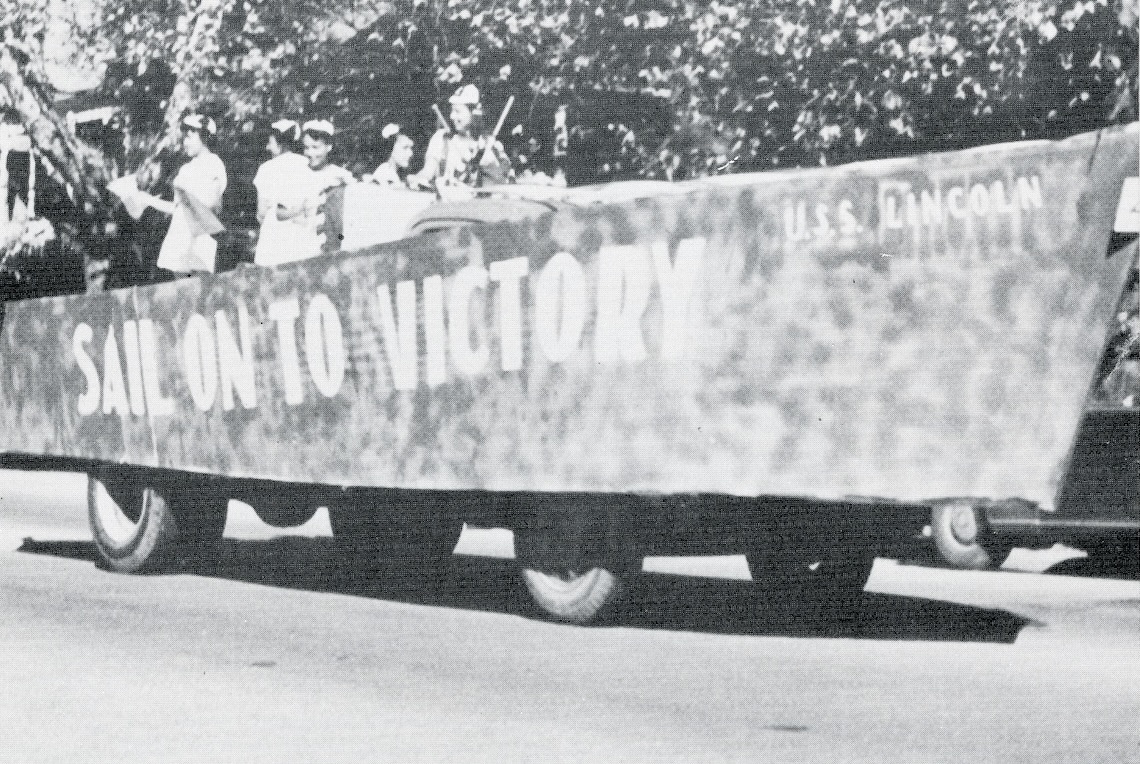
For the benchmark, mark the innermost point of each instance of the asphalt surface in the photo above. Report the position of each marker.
(284, 655)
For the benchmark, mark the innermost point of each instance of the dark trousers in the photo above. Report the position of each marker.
(19, 172)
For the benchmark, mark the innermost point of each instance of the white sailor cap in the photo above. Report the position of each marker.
(467, 95)
(288, 128)
(319, 127)
(201, 123)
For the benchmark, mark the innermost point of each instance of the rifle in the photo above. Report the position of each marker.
(493, 136)
(447, 130)
(440, 119)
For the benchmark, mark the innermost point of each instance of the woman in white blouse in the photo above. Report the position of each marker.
(189, 246)
(280, 180)
(305, 212)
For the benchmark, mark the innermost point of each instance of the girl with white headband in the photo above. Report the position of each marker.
(280, 180)
(317, 138)
(189, 246)
(393, 171)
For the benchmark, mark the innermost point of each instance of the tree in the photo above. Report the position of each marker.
(791, 82)
(159, 58)
(648, 88)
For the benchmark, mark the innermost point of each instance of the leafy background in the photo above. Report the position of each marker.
(666, 89)
(652, 88)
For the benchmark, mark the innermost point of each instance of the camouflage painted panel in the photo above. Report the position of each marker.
(904, 329)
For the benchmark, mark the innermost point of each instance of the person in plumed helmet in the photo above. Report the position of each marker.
(280, 180)
(463, 153)
(189, 245)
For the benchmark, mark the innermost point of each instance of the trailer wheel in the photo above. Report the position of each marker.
(414, 530)
(563, 583)
(961, 538)
(573, 597)
(140, 528)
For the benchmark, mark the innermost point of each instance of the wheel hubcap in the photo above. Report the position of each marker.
(964, 525)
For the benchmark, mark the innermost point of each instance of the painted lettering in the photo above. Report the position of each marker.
(795, 222)
(285, 313)
(114, 386)
(399, 330)
(912, 215)
(508, 274)
(956, 202)
(468, 359)
(200, 362)
(1029, 192)
(998, 199)
(823, 229)
(676, 281)
(88, 401)
(324, 345)
(930, 205)
(134, 368)
(157, 403)
(979, 200)
(560, 307)
(235, 364)
(435, 333)
(848, 223)
(891, 218)
(624, 280)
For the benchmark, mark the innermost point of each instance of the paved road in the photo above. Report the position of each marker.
(283, 657)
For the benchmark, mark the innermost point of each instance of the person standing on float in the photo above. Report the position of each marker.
(17, 152)
(305, 212)
(393, 171)
(189, 246)
(280, 180)
(464, 154)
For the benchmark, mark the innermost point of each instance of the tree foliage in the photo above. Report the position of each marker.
(659, 88)
(653, 87)
(649, 88)
(792, 82)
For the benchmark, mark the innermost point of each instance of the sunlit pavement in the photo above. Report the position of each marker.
(280, 656)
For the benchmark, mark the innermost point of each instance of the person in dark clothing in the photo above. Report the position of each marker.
(19, 166)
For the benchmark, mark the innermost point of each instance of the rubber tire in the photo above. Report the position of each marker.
(138, 529)
(982, 553)
(574, 598)
(405, 530)
(563, 585)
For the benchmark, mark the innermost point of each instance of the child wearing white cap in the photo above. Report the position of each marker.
(464, 154)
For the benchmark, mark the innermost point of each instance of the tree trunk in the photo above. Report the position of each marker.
(77, 167)
(80, 169)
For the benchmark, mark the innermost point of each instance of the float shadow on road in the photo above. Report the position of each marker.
(654, 601)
